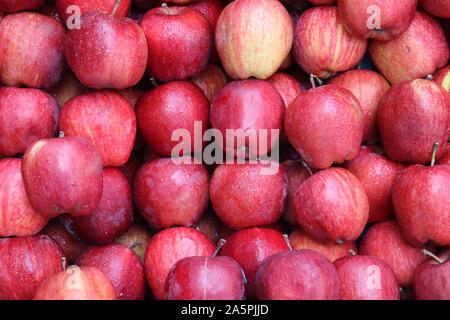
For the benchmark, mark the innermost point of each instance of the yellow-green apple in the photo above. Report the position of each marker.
(322, 46)
(442, 77)
(417, 53)
(69, 169)
(412, 116)
(253, 38)
(67, 88)
(210, 80)
(26, 115)
(66, 8)
(332, 205)
(438, 8)
(368, 87)
(136, 239)
(15, 6)
(334, 108)
(32, 48)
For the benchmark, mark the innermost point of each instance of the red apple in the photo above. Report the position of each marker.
(67, 88)
(26, 115)
(286, 85)
(176, 105)
(412, 116)
(383, 20)
(445, 158)
(136, 239)
(299, 240)
(332, 206)
(171, 194)
(331, 107)
(244, 196)
(377, 175)
(32, 47)
(368, 87)
(211, 9)
(168, 247)
(210, 80)
(173, 55)
(26, 262)
(250, 247)
(322, 46)
(253, 38)
(69, 169)
(438, 8)
(415, 54)
(106, 119)
(366, 278)
(77, 283)
(14, 5)
(297, 275)
(132, 95)
(253, 109)
(121, 265)
(107, 6)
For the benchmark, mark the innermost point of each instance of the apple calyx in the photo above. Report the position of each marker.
(340, 241)
(313, 78)
(153, 82)
(288, 242)
(432, 255)
(220, 244)
(134, 245)
(64, 263)
(429, 77)
(352, 252)
(61, 134)
(116, 6)
(433, 157)
(166, 7)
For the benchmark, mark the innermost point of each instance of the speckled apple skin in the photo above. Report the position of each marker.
(106, 6)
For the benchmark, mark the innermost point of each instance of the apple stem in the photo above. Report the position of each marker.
(313, 78)
(164, 5)
(219, 246)
(430, 254)
(116, 6)
(64, 263)
(429, 77)
(307, 167)
(340, 241)
(353, 253)
(153, 81)
(433, 157)
(134, 245)
(61, 134)
(286, 238)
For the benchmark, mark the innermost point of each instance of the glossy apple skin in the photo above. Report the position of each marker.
(113, 215)
(25, 262)
(366, 278)
(249, 248)
(32, 48)
(421, 200)
(415, 54)
(385, 242)
(210, 80)
(332, 205)
(211, 9)
(430, 280)
(321, 44)
(168, 247)
(26, 115)
(243, 197)
(445, 158)
(368, 87)
(331, 107)
(170, 194)
(172, 54)
(299, 240)
(91, 5)
(395, 17)
(106, 119)
(412, 116)
(77, 283)
(249, 45)
(169, 107)
(15, 6)
(287, 86)
(121, 265)
(377, 175)
(297, 275)
(137, 238)
(438, 8)
(205, 278)
(17, 217)
(69, 169)
(250, 105)
(67, 88)
(106, 52)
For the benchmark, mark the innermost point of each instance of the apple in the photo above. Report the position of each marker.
(438, 8)
(322, 46)
(132, 95)
(14, 6)
(26, 115)
(210, 225)
(442, 77)
(300, 240)
(106, 119)
(106, 51)
(412, 116)
(107, 6)
(286, 85)
(26, 262)
(32, 47)
(172, 106)
(121, 265)
(331, 107)
(168, 247)
(77, 283)
(431, 278)
(417, 53)
(377, 175)
(380, 19)
(445, 158)
(252, 106)
(226, 232)
(210, 80)
(67, 88)
(131, 168)
(253, 38)
(211, 9)
(250, 247)
(297, 275)
(172, 55)
(243, 196)
(369, 87)
(366, 278)
(69, 169)
(136, 239)
(332, 205)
